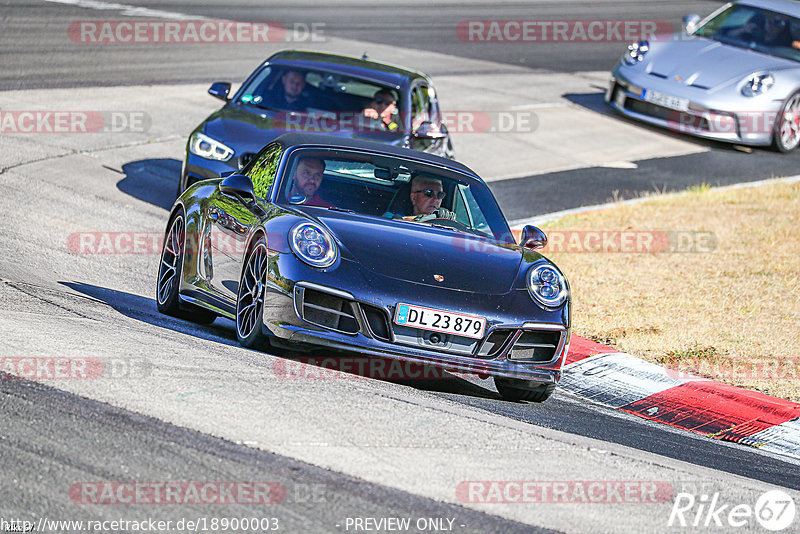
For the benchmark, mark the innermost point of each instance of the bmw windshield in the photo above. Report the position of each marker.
(311, 100)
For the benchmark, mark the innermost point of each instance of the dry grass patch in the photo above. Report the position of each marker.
(731, 313)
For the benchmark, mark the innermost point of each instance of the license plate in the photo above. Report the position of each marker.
(667, 101)
(440, 321)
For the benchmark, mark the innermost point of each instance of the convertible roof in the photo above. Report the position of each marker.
(365, 68)
(330, 141)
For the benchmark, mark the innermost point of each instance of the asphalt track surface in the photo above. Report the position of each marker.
(55, 434)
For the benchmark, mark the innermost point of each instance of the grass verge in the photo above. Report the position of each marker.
(706, 282)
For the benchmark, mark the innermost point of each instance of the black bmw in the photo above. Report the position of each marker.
(359, 246)
(295, 91)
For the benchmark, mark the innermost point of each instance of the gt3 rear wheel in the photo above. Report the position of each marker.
(250, 301)
(786, 136)
(169, 275)
(523, 390)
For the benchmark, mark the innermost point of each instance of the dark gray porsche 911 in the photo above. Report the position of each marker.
(357, 246)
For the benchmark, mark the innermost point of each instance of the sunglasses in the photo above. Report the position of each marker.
(430, 193)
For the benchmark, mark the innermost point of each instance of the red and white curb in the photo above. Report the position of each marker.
(699, 405)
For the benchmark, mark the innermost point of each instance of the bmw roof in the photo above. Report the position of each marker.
(382, 72)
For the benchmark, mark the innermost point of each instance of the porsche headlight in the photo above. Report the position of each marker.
(206, 147)
(756, 84)
(547, 286)
(636, 52)
(313, 244)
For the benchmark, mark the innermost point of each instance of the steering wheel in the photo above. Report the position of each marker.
(450, 223)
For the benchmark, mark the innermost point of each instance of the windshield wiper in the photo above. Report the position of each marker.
(344, 210)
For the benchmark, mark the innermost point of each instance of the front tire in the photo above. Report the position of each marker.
(786, 134)
(169, 276)
(250, 300)
(523, 390)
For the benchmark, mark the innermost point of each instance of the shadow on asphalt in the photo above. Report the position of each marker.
(144, 309)
(313, 364)
(596, 102)
(154, 181)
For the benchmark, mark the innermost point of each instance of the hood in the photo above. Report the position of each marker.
(248, 128)
(415, 253)
(708, 64)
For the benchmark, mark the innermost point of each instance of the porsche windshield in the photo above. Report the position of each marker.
(324, 100)
(393, 188)
(757, 29)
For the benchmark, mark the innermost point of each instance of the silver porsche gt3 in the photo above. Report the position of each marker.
(733, 76)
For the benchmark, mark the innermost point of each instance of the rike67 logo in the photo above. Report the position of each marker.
(773, 510)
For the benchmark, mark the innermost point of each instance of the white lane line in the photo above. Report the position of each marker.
(542, 105)
(127, 10)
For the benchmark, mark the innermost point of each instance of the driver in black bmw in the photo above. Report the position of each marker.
(290, 95)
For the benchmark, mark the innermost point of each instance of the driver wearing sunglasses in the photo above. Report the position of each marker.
(426, 198)
(382, 107)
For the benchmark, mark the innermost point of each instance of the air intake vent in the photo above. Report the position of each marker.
(494, 343)
(378, 322)
(535, 346)
(326, 310)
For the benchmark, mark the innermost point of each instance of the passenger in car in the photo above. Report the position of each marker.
(383, 107)
(308, 178)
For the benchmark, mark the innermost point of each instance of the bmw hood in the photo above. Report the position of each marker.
(248, 129)
(707, 64)
(424, 255)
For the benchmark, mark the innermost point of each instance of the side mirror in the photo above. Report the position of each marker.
(238, 184)
(532, 238)
(427, 130)
(220, 90)
(690, 23)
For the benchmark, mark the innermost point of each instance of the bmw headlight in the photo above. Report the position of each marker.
(206, 147)
(636, 52)
(313, 244)
(756, 84)
(547, 286)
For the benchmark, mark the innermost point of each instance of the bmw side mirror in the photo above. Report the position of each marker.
(239, 185)
(220, 90)
(427, 130)
(532, 238)
(690, 23)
